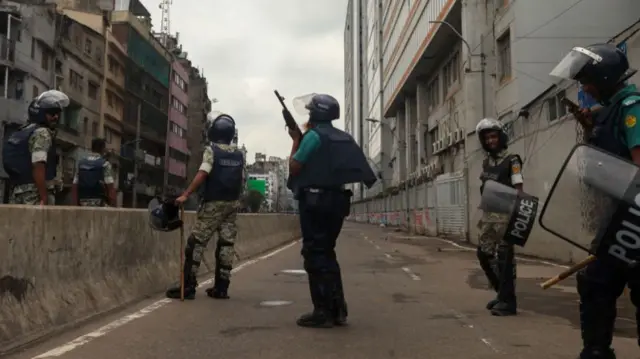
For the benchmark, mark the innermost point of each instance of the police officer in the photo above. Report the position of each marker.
(93, 182)
(602, 71)
(221, 180)
(496, 256)
(29, 154)
(322, 162)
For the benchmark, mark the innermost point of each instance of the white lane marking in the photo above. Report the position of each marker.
(100, 332)
(388, 255)
(466, 322)
(410, 273)
(378, 247)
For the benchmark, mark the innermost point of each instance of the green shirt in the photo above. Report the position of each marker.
(631, 114)
(309, 144)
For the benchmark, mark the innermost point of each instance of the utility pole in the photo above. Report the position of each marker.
(106, 21)
(135, 157)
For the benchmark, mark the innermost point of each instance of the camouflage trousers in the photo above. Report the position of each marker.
(215, 217)
(31, 198)
(490, 242)
(92, 203)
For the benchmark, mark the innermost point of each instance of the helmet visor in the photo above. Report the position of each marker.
(571, 65)
(302, 103)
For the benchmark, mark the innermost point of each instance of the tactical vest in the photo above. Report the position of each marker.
(224, 183)
(338, 161)
(16, 157)
(608, 129)
(90, 178)
(500, 173)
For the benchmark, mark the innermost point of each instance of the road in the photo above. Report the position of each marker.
(409, 297)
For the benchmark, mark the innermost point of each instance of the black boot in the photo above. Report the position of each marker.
(490, 273)
(596, 353)
(340, 310)
(190, 285)
(219, 289)
(507, 304)
(597, 321)
(322, 298)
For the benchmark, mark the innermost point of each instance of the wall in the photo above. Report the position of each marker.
(62, 265)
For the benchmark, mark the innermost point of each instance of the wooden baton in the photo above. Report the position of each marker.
(182, 254)
(567, 273)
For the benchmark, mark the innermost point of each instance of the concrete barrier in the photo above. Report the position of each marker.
(62, 265)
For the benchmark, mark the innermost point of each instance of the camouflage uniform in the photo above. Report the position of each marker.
(220, 217)
(108, 178)
(39, 144)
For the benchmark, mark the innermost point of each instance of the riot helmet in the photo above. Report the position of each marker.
(164, 215)
(319, 107)
(601, 66)
(220, 128)
(487, 126)
(46, 108)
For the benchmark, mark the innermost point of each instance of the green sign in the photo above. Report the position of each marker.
(259, 185)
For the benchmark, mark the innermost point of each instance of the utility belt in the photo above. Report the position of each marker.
(328, 200)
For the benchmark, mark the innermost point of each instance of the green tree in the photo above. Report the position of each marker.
(254, 200)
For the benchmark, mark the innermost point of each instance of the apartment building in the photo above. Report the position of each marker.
(446, 64)
(197, 109)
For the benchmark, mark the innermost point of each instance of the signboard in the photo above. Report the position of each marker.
(259, 185)
(584, 100)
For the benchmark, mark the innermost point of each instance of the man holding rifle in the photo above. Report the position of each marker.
(602, 71)
(322, 162)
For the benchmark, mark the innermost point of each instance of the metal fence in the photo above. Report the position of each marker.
(436, 208)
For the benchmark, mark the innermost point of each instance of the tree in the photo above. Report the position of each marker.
(254, 200)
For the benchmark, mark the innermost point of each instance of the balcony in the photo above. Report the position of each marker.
(7, 51)
(13, 111)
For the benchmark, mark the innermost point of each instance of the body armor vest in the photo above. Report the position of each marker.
(224, 183)
(16, 157)
(90, 178)
(338, 161)
(608, 129)
(500, 173)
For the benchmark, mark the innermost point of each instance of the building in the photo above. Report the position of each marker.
(436, 87)
(146, 107)
(269, 191)
(197, 109)
(27, 42)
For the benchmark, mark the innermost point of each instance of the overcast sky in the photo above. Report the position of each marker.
(248, 48)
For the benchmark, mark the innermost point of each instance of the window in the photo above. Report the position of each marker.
(76, 80)
(433, 94)
(93, 91)
(178, 105)
(36, 91)
(86, 125)
(451, 72)
(110, 100)
(94, 129)
(182, 133)
(45, 60)
(88, 46)
(180, 82)
(504, 56)
(108, 134)
(33, 47)
(555, 107)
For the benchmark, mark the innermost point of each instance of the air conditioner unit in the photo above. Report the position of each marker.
(435, 146)
(439, 145)
(449, 139)
(456, 136)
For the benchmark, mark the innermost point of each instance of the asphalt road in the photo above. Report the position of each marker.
(409, 297)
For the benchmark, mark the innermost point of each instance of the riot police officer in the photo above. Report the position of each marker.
(29, 154)
(322, 162)
(93, 182)
(221, 181)
(496, 256)
(602, 71)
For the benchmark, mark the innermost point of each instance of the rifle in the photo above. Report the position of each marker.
(288, 118)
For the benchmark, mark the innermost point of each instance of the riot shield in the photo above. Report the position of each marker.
(507, 205)
(594, 204)
(164, 215)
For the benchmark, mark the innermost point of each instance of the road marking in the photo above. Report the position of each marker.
(388, 255)
(410, 273)
(378, 247)
(100, 332)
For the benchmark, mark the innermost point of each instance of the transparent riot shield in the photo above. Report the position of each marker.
(594, 204)
(514, 211)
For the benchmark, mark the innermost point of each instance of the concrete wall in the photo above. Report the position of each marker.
(61, 265)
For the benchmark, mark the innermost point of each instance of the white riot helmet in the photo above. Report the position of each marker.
(491, 124)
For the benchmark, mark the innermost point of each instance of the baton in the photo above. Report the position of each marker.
(567, 273)
(182, 254)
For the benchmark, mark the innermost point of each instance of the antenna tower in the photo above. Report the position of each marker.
(165, 22)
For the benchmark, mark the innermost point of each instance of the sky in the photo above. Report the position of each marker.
(248, 48)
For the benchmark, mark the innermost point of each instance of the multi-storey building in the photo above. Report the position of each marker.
(27, 42)
(197, 109)
(146, 107)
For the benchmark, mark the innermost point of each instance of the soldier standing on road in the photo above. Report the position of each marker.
(322, 162)
(496, 256)
(29, 154)
(602, 70)
(93, 182)
(223, 176)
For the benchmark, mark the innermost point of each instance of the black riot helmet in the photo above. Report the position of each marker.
(319, 107)
(164, 215)
(603, 66)
(51, 102)
(489, 124)
(220, 128)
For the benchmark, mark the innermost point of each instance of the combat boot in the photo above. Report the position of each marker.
(322, 315)
(488, 269)
(340, 313)
(503, 309)
(597, 353)
(190, 285)
(219, 290)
